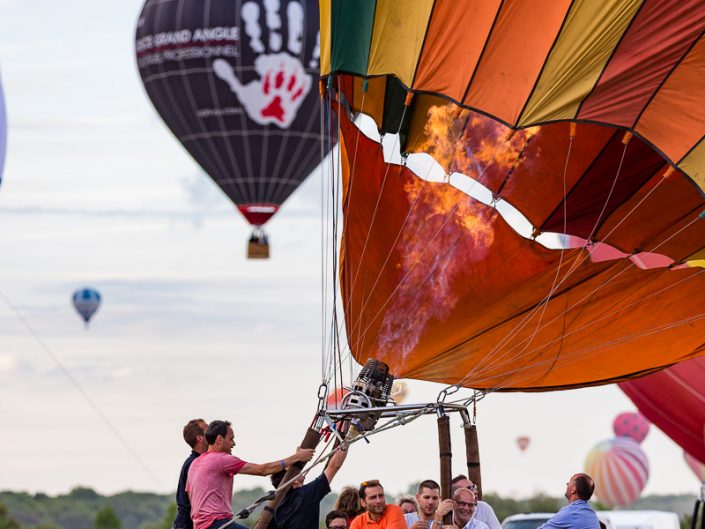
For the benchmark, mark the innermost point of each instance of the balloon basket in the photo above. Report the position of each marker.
(258, 245)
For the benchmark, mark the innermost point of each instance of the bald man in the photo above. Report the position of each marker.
(577, 514)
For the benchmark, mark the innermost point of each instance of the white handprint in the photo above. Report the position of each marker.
(277, 96)
(283, 84)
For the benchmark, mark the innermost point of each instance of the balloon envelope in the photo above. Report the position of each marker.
(673, 400)
(620, 470)
(236, 82)
(631, 424)
(436, 282)
(523, 442)
(86, 302)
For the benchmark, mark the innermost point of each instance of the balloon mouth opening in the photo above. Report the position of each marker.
(258, 214)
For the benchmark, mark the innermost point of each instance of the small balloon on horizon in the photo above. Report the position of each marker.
(86, 301)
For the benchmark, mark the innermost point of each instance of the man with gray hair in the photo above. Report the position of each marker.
(463, 507)
(484, 511)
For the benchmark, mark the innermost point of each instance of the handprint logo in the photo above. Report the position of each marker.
(283, 83)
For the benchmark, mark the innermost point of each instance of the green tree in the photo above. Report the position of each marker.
(164, 523)
(7, 521)
(106, 519)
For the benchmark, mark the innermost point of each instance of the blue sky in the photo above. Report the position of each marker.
(97, 192)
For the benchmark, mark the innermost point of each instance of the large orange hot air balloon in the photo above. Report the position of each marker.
(583, 119)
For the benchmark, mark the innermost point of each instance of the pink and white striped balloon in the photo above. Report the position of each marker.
(696, 466)
(620, 470)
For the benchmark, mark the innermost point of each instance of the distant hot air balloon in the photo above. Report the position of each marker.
(673, 399)
(86, 302)
(631, 424)
(620, 470)
(3, 131)
(335, 399)
(237, 84)
(696, 466)
(523, 442)
(400, 390)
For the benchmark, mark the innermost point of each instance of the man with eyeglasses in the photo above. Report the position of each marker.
(463, 507)
(195, 436)
(484, 511)
(377, 515)
(336, 520)
(577, 514)
(210, 478)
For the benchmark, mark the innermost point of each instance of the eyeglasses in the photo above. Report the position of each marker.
(370, 483)
(465, 504)
(337, 527)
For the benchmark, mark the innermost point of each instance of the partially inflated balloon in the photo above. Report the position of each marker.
(620, 470)
(523, 442)
(335, 399)
(672, 399)
(237, 84)
(631, 424)
(86, 302)
(587, 120)
(696, 466)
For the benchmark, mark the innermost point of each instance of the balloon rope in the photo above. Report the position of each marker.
(481, 172)
(543, 304)
(605, 316)
(78, 387)
(376, 208)
(583, 300)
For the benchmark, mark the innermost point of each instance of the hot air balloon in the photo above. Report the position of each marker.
(681, 415)
(505, 125)
(523, 442)
(86, 302)
(631, 424)
(620, 470)
(3, 131)
(335, 399)
(236, 82)
(696, 466)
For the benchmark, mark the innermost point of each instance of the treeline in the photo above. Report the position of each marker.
(83, 508)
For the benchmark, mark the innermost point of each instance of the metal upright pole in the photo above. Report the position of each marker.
(472, 454)
(446, 456)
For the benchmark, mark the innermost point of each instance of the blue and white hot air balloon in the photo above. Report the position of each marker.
(86, 301)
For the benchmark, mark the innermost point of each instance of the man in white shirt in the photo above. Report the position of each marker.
(483, 512)
(463, 507)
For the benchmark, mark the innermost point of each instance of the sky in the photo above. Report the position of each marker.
(97, 192)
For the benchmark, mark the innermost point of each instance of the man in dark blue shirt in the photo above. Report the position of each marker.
(577, 514)
(195, 437)
(300, 508)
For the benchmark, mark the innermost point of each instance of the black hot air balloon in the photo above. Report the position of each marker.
(236, 82)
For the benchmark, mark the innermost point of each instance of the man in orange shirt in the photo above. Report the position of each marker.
(377, 515)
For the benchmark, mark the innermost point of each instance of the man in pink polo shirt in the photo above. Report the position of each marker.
(210, 478)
